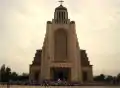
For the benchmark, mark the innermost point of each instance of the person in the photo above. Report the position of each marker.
(59, 80)
(46, 83)
(8, 85)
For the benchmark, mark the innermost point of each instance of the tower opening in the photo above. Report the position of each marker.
(61, 15)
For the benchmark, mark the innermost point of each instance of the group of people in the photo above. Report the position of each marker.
(58, 82)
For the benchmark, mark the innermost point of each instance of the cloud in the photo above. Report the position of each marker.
(23, 26)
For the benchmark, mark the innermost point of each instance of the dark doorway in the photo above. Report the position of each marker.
(61, 73)
(36, 77)
(85, 76)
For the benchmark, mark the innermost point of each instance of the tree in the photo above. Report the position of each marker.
(23, 77)
(14, 76)
(109, 79)
(25, 74)
(118, 78)
(2, 71)
(5, 73)
(8, 74)
(100, 78)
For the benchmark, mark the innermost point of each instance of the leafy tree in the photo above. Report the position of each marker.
(5, 73)
(109, 79)
(14, 76)
(25, 74)
(101, 77)
(2, 71)
(8, 74)
(23, 77)
(118, 78)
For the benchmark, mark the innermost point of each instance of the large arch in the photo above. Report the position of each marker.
(60, 47)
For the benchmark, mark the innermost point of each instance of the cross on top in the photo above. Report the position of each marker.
(61, 1)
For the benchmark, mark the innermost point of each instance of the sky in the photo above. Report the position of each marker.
(23, 27)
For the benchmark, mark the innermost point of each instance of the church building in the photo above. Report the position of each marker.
(61, 56)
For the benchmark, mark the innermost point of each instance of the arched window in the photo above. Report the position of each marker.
(60, 47)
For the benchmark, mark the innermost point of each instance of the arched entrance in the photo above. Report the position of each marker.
(60, 73)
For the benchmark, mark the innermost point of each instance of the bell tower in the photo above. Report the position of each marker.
(61, 57)
(60, 52)
(61, 15)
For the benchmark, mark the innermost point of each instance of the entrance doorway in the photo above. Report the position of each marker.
(36, 76)
(85, 76)
(60, 73)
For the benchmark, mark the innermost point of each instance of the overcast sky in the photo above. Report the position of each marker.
(23, 26)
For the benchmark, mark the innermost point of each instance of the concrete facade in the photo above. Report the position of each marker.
(60, 52)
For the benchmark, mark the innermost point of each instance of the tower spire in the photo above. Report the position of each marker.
(61, 2)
